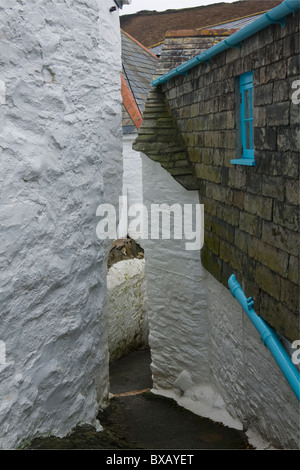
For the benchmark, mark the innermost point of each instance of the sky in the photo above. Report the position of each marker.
(162, 5)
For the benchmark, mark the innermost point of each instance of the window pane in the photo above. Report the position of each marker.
(247, 98)
(248, 125)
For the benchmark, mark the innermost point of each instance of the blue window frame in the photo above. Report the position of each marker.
(246, 120)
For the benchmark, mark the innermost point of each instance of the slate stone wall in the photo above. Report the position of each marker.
(251, 213)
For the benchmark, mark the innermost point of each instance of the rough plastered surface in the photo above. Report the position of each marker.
(132, 171)
(126, 307)
(177, 304)
(60, 144)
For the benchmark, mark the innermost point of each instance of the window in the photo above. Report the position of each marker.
(246, 129)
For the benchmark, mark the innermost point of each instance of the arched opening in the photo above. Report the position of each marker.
(126, 314)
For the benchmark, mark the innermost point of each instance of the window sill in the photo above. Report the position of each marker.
(243, 161)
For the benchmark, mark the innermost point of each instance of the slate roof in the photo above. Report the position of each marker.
(150, 27)
(232, 24)
(138, 67)
(237, 23)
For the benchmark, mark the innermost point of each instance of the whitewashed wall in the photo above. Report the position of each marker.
(60, 144)
(132, 171)
(126, 307)
(177, 307)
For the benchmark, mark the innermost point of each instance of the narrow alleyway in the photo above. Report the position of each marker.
(138, 419)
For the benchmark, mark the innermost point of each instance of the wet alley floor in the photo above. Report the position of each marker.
(139, 419)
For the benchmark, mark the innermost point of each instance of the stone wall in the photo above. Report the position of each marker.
(60, 128)
(251, 213)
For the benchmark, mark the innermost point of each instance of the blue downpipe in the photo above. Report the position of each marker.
(269, 337)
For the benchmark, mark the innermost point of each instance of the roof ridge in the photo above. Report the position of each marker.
(215, 24)
(236, 19)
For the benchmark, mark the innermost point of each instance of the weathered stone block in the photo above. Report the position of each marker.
(266, 35)
(228, 213)
(295, 114)
(225, 175)
(281, 91)
(279, 316)
(212, 242)
(265, 138)
(219, 193)
(209, 106)
(195, 156)
(272, 163)
(226, 102)
(238, 199)
(278, 114)
(293, 65)
(286, 215)
(293, 269)
(209, 205)
(237, 177)
(250, 223)
(199, 139)
(224, 230)
(290, 294)
(263, 95)
(231, 255)
(250, 45)
(232, 55)
(218, 156)
(207, 156)
(280, 237)
(274, 51)
(258, 205)
(228, 139)
(268, 281)
(241, 240)
(277, 70)
(189, 139)
(253, 181)
(224, 120)
(273, 186)
(269, 256)
(249, 270)
(292, 191)
(260, 116)
(288, 139)
(212, 263)
(211, 139)
(208, 172)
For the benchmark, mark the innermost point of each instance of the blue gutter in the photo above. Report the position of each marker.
(276, 15)
(269, 337)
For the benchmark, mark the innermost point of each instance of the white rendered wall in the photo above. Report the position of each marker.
(132, 171)
(60, 143)
(177, 306)
(126, 307)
